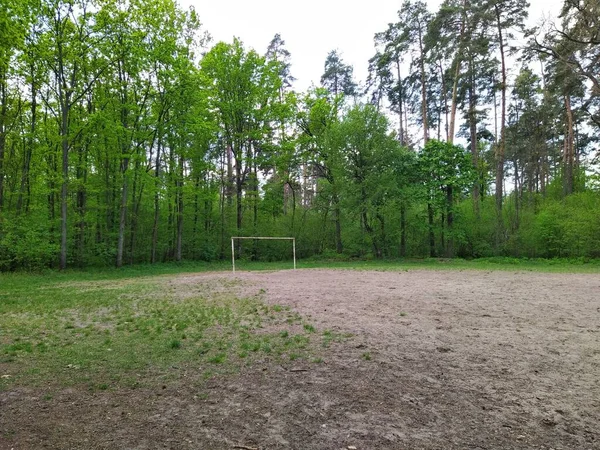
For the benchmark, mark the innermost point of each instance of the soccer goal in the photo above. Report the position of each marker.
(233, 238)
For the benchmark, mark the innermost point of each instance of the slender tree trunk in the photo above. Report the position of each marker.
(516, 188)
(500, 147)
(402, 229)
(123, 212)
(65, 179)
(137, 200)
(222, 205)
(156, 199)
(442, 235)
(432, 251)
(28, 151)
(568, 154)
(179, 184)
(197, 210)
(450, 221)
(400, 103)
(445, 98)
(423, 92)
(495, 115)
(473, 133)
(457, 67)
(338, 226)
(239, 194)
(230, 182)
(454, 103)
(81, 201)
(3, 129)
(382, 247)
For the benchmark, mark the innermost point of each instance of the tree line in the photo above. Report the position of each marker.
(127, 136)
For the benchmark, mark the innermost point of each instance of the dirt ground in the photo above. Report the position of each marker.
(438, 360)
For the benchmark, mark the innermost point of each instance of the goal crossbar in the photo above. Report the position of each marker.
(233, 238)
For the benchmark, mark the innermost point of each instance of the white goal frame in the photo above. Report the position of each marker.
(264, 238)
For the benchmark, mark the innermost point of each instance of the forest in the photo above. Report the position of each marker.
(128, 136)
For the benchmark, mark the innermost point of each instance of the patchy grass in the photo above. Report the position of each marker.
(11, 281)
(332, 336)
(131, 332)
(575, 265)
(110, 327)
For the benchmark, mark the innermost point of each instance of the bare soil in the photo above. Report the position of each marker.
(438, 360)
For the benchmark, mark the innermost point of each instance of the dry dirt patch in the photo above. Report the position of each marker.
(438, 360)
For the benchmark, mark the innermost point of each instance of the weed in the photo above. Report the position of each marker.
(366, 356)
(219, 358)
(308, 327)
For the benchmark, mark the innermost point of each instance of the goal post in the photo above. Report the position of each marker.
(264, 238)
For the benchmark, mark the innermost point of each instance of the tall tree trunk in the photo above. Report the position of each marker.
(445, 98)
(137, 200)
(64, 131)
(453, 105)
(197, 209)
(457, 67)
(473, 132)
(156, 200)
(81, 174)
(25, 187)
(423, 92)
(568, 153)
(222, 206)
(179, 184)
(400, 103)
(255, 207)
(516, 188)
(3, 128)
(500, 147)
(239, 210)
(230, 182)
(123, 212)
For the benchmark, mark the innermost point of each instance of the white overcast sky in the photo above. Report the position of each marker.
(312, 28)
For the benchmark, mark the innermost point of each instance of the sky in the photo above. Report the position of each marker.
(312, 28)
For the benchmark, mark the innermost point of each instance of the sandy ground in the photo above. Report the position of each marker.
(458, 360)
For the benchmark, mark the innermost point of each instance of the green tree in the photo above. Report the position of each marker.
(449, 172)
(367, 153)
(337, 77)
(242, 87)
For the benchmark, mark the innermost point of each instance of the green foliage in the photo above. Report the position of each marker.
(126, 139)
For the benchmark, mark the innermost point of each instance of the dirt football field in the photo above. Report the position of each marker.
(443, 359)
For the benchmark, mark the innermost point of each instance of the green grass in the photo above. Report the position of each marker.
(579, 265)
(103, 332)
(14, 280)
